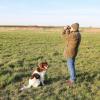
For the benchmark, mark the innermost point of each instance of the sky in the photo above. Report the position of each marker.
(50, 12)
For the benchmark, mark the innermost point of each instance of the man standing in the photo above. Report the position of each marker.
(72, 37)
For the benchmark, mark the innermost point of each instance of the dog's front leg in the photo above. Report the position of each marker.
(42, 81)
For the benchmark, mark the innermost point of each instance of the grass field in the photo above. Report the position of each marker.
(20, 51)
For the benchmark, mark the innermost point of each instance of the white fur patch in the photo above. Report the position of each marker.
(35, 82)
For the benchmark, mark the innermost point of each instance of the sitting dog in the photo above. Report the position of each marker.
(38, 76)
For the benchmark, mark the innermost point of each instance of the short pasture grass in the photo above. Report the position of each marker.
(20, 51)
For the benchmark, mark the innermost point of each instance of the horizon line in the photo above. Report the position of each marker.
(15, 25)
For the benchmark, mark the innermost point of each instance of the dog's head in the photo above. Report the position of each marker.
(43, 66)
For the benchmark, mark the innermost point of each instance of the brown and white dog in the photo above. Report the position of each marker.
(38, 76)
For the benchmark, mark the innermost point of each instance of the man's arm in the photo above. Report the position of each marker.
(66, 30)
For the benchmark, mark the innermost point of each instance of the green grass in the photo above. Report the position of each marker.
(20, 51)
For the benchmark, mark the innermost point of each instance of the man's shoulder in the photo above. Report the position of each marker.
(75, 35)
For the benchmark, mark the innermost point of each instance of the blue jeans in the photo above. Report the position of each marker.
(71, 68)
